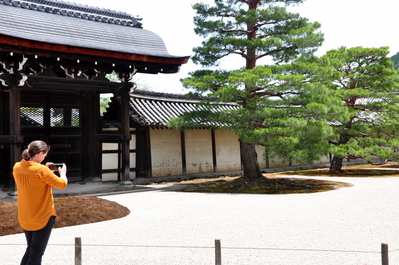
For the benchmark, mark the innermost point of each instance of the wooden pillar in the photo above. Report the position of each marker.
(5, 160)
(125, 131)
(15, 130)
(143, 153)
(214, 156)
(384, 254)
(3, 121)
(183, 152)
(91, 167)
(47, 118)
(218, 252)
(96, 145)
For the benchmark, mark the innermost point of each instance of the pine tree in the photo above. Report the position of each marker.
(365, 82)
(270, 110)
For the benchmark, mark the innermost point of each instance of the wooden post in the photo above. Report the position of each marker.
(78, 251)
(384, 254)
(183, 152)
(15, 131)
(143, 152)
(125, 131)
(214, 156)
(218, 252)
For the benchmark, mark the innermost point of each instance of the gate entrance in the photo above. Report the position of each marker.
(52, 73)
(57, 120)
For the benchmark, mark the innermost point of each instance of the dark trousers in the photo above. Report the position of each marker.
(37, 243)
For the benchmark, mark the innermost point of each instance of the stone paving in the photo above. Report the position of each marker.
(345, 227)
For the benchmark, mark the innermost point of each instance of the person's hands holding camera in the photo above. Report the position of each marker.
(62, 171)
(61, 167)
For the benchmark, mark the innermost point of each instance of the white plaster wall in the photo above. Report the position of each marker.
(109, 177)
(260, 150)
(325, 159)
(166, 154)
(275, 161)
(132, 160)
(227, 151)
(110, 161)
(198, 151)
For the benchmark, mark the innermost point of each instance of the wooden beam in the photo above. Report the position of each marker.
(11, 139)
(18, 42)
(112, 138)
(57, 83)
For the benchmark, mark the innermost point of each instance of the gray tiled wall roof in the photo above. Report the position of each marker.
(156, 109)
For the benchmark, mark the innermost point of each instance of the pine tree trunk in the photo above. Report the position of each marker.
(336, 164)
(249, 159)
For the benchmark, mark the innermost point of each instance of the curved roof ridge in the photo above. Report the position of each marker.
(70, 9)
(165, 96)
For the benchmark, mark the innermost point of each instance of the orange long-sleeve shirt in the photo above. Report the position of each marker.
(35, 196)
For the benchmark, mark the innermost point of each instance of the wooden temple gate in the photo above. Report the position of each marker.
(50, 87)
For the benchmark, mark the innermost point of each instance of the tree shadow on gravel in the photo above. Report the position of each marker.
(284, 183)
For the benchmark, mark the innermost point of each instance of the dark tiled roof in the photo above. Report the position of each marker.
(76, 10)
(156, 109)
(63, 23)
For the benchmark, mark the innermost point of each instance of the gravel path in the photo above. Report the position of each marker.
(346, 226)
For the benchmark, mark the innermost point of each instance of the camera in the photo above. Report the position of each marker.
(55, 166)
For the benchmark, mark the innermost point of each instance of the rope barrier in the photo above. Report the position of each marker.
(202, 247)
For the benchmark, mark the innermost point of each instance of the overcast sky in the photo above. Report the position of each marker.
(347, 23)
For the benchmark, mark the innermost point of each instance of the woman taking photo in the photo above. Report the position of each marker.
(36, 213)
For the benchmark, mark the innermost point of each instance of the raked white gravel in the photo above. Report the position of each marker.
(341, 227)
